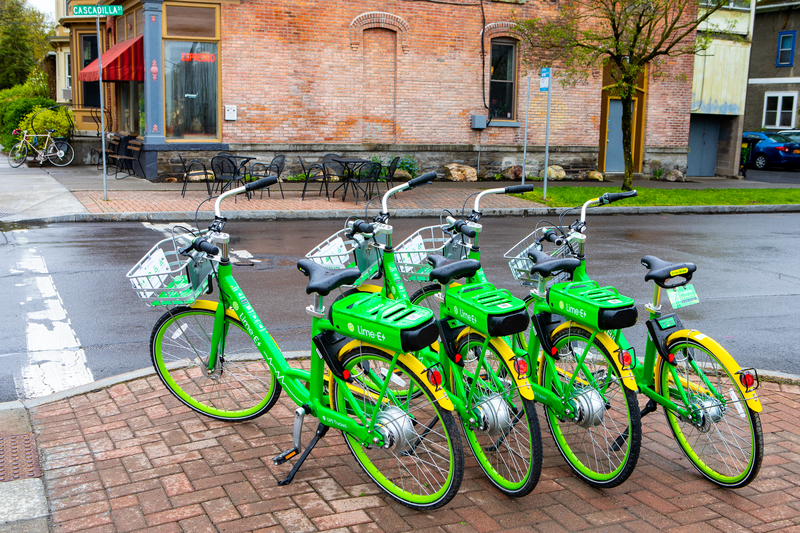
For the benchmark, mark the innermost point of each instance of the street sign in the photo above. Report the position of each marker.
(544, 79)
(97, 11)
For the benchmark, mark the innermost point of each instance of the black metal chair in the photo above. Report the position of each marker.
(309, 176)
(195, 169)
(391, 169)
(365, 178)
(334, 171)
(226, 173)
(275, 168)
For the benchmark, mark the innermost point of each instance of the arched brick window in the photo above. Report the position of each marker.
(378, 19)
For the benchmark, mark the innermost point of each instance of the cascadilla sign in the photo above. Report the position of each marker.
(97, 11)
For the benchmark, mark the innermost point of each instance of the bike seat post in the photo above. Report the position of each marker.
(655, 307)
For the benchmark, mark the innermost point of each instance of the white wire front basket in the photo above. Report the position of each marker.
(411, 255)
(165, 277)
(520, 264)
(341, 251)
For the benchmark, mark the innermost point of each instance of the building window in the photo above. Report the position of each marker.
(191, 98)
(91, 89)
(780, 110)
(69, 70)
(786, 40)
(502, 93)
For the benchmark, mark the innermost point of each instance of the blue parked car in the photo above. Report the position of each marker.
(772, 149)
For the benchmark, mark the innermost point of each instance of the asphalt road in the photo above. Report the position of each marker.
(775, 175)
(70, 315)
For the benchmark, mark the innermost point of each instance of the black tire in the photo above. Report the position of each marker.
(17, 155)
(725, 443)
(510, 453)
(761, 162)
(60, 153)
(602, 452)
(424, 467)
(242, 388)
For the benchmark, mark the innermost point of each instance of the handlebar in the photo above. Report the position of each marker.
(362, 226)
(202, 245)
(607, 198)
(462, 226)
(519, 189)
(416, 182)
(513, 189)
(260, 184)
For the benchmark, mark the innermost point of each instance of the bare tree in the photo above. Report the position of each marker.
(586, 35)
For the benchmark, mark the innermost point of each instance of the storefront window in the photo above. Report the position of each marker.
(131, 106)
(191, 95)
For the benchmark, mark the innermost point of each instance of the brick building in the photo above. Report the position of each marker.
(381, 78)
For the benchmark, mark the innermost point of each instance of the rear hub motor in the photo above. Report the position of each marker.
(710, 411)
(396, 427)
(495, 415)
(590, 408)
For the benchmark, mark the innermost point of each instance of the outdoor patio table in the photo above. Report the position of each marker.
(350, 166)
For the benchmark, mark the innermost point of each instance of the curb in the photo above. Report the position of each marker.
(179, 216)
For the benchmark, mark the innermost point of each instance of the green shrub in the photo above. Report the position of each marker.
(48, 119)
(13, 113)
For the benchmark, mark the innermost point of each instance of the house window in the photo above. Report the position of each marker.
(502, 90)
(69, 70)
(91, 89)
(780, 110)
(786, 40)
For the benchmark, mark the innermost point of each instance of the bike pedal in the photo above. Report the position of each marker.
(285, 456)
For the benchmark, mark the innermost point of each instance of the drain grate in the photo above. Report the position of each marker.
(19, 458)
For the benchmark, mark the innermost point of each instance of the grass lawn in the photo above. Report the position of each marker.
(574, 196)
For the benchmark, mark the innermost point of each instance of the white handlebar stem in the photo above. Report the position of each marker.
(232, 192)
(477, 209)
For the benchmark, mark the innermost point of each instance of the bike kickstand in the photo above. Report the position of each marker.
(649, 407)
(322, 429)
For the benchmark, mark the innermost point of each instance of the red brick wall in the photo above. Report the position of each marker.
(299, 73)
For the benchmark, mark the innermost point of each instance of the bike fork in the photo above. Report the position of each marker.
(322, 429)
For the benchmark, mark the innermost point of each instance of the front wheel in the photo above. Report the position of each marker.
(724, 440)
(18, 154)
(507, 441)
(60, 153)
(240, 387)
(601, 442)
(423, 464)
(761, 162)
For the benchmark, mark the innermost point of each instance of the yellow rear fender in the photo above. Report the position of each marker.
(611, 347)
(508, 356)
(725, 359)
(410, 362)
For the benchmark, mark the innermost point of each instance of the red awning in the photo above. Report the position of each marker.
(122, 62)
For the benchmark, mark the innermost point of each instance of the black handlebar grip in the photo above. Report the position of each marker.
(260, 184)
(422, 180)
(205, 246)
(362, 226)
(614, 196)
(555, 238)
(462, 227)
(518, 189)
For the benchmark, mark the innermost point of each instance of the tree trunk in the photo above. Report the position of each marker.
(627, 140)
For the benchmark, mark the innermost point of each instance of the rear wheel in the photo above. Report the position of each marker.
(241, 387)
(428, 296)
(601, 444)
(18, 154)
(508, 445)
(60, 153)
(724, 441)
(423, 465)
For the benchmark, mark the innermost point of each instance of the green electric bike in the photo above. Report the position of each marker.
(217, 357)
(588, 396)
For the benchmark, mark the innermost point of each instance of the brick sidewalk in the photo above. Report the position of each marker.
(171, 201)
(131, 458)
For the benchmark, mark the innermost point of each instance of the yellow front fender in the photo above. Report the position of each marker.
(208, 305)
(410, 362)
(611, 347)
(504, 351)
(727, 361)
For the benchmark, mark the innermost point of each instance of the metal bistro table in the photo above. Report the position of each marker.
(240, 162)
(350, 167)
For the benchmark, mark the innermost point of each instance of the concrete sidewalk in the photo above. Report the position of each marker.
(53, 194)
(131, 458)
